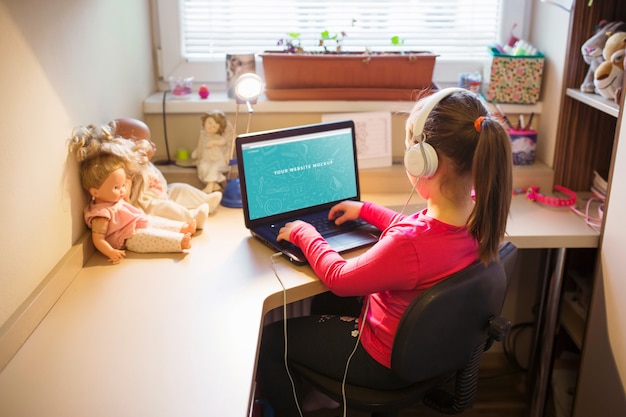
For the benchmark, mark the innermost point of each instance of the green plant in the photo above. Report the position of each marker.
(291, 44)
(396, 41)
(337, 38)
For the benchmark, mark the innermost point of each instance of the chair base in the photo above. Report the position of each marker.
(378, 402)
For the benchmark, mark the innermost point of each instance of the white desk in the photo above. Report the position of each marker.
(177, 335)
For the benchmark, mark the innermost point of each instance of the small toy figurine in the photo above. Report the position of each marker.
(115, 223)
(213, 150)
(150, 190)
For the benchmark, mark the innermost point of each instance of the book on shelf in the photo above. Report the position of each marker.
(599, 186)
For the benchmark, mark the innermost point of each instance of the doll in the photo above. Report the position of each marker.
(150, 190)
(115, 223)
(213, 150)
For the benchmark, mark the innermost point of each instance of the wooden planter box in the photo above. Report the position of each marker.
(347, 76)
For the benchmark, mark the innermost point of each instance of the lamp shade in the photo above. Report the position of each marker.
(247, 88)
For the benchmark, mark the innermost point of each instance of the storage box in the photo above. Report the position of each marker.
(515, 79)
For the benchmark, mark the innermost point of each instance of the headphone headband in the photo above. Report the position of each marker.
(430, 102)
(421, 160)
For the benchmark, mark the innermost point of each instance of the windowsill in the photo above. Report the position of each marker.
(219, 100)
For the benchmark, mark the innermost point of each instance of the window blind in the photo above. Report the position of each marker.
(450, 28)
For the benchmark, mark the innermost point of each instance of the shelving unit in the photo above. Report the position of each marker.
(586, 135)
(595, 101)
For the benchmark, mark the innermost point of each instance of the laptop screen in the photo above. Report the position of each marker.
(294, 169)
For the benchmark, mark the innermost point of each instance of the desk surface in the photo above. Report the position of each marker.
(177, 334)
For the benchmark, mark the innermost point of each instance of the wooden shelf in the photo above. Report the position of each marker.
(596, 101)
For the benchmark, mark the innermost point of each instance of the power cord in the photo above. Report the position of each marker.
(167, 146)
(293, 385)
(593, 222)
(509, 344)
(285, 359)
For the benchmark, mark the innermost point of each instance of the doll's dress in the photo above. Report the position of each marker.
(123, 217)
(213, 161)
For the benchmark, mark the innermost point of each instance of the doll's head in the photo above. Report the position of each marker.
(129, 128)
(90, 141)
(214, 122)
(136, 131)
(104, 177)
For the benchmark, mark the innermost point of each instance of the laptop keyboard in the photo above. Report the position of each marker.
(327, 227)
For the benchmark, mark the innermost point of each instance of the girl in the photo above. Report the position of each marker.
(453, 147)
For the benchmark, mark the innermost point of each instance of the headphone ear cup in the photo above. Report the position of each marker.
(420, 160)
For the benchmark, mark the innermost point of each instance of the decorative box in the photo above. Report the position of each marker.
(515, 79)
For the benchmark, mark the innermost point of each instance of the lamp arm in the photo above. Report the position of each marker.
(232, 145)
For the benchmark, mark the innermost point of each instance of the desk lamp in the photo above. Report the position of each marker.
(246, 89)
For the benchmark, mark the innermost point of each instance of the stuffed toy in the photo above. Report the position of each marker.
(609, 75)
(592, 51)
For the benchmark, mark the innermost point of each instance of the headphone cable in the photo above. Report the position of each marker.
(293, 385)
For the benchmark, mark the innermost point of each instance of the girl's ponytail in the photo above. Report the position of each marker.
(493, 183)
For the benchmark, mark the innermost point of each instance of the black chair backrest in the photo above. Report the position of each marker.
(442, 327)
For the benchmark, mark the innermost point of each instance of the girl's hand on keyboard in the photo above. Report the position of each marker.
(285, 231)
(345, 211)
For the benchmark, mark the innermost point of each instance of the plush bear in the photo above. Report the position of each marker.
(609, 75)
(592, 51)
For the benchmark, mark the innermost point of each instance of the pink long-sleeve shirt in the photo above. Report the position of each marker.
(413, 253)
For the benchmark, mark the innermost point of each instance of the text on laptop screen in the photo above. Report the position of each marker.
(291, 173)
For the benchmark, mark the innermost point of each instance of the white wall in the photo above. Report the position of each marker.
(64, 63)
(548, 31)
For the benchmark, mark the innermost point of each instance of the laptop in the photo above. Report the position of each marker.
(300, 173)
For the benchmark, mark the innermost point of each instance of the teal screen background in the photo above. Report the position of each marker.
(290, 174)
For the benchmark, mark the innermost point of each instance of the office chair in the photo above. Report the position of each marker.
(439, 343)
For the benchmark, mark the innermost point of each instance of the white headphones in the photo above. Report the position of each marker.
(420, 160)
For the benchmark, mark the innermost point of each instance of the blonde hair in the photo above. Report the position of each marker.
(94, 171)
(90, 141)
(481, 150)
(99, 153)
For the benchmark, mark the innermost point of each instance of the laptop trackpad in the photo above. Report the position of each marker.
(351, 240)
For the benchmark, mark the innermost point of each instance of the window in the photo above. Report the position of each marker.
(195, 35)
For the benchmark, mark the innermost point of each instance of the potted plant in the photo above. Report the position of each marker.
(331, 73)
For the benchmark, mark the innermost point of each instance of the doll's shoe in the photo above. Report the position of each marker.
(213, 200)
(200, 215)
(189, 227)
(185, 242)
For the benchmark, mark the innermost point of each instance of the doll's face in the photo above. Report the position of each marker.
(211, 126)
(113, 189)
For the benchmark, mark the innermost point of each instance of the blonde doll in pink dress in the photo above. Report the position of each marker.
(115, 223)
(106, 165)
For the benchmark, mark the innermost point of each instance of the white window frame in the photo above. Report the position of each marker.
(170, 61)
